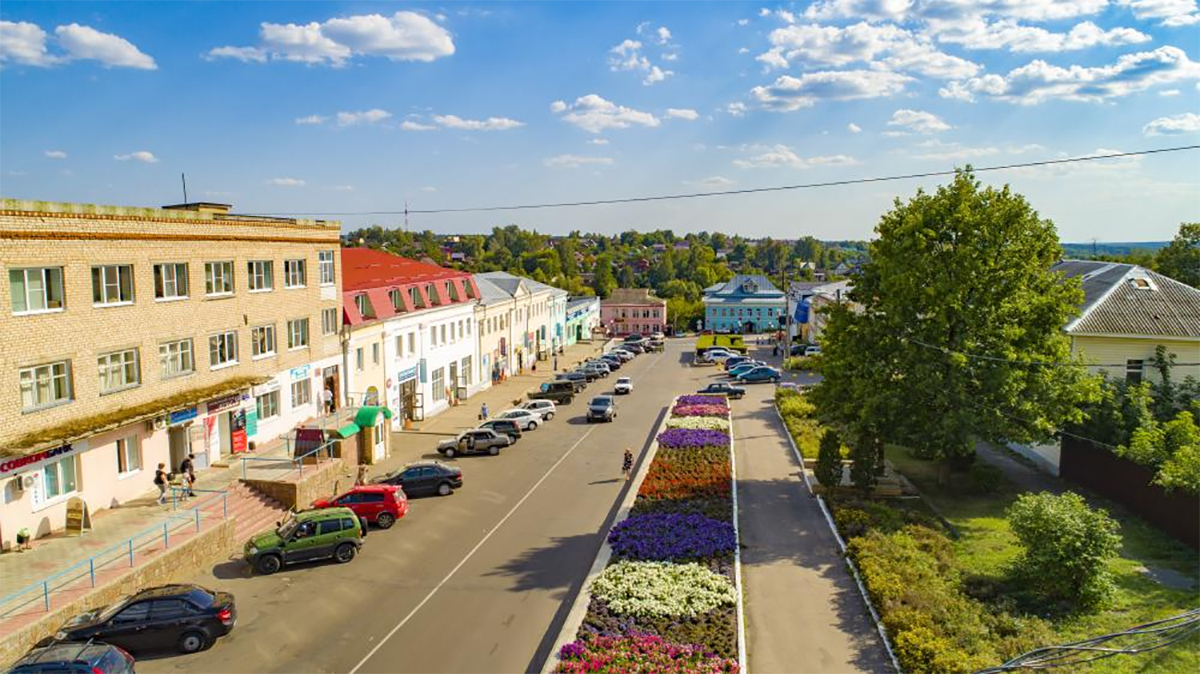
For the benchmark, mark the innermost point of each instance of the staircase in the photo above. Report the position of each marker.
(250, 510)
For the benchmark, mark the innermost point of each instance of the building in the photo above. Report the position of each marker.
(745, 303)
(134, 336)
(805, 301)
(493, 324)
(558, 318)
(532, 332)
(583, 318)
(633, 311)
(1127, 312)
(411, 345)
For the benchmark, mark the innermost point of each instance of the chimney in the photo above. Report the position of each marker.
(200, 207)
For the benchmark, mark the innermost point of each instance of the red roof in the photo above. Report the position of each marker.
(363, 268)
(375, 274)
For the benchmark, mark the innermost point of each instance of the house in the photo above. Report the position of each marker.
(583, 318)
(745, 303)
(633, 311)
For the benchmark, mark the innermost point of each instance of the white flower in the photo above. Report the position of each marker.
(651, 589)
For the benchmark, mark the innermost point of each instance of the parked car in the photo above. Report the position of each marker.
(598, 370)
(578, 380)
(635, 347)
(508, 427)
(713, 355)
(656, 345)
(624, 355)
(528, 421)
(805, 350)
(812, 350)
(188, 618)
(307, 536)
(613, 362)
(623, 386)
(590, 374)
(90, 657)
(658, 336)
(602, 408)
(734, 361)
(550, 392)
(602, 365)
(733, 392)
(743, 368)
(478, 440)
(380, 504)
(633, 339)
(423, 478)
(544, 407)
(760, 374)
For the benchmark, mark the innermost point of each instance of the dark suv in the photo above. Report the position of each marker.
(506, 426)
(186, 617)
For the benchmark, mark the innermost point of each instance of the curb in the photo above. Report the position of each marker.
(743, 667)
(862, 590)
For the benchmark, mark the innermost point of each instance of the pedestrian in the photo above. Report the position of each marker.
(775, 350)
(361, 478)
(483, 412)
(627, 464)
(556, 363)
(188, 468)
(534, 366)
(160, 481)
(327, 398)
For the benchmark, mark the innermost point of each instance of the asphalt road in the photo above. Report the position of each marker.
(479, 581)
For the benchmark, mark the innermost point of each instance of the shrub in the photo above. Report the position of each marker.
(650, 589)
(680, 438)
(852, 522)
(641, 654)
(829, 460)
(855, 517)
(865, 454)
(799, 417)
(1067, 546)
(699, 423)
(985, 479)
(671, 537)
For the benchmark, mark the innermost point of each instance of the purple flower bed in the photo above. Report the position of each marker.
(700, 411)
(700, 400)
(671, 536)
(686, 438)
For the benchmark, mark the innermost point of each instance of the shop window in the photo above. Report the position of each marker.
(468, 374)
(301, 393)
(45, 385)
(112, 285)
(438, 379)
(268, 405)
(129, 455)
(58, 478)
(36, 290)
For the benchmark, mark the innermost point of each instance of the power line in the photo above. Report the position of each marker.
(748, 190)
(1011, 361)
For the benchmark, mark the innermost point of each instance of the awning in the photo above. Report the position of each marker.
(347, 430)
(368, 414)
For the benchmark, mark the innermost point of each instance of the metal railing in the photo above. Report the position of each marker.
(297, 461)
(125, 550)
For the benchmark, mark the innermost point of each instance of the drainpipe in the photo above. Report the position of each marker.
(345, 366)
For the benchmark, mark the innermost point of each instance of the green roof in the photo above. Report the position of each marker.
(367, 416)
(347, 430)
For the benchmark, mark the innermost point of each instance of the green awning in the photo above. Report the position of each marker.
(367, 416)
(347, 430)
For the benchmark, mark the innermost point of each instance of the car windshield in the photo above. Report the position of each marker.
(623, 380)
(602, 401)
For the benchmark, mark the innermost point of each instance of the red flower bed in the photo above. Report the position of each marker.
(688, 474)
(641, 654)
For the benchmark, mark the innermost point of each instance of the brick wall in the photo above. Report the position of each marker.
(318, 482)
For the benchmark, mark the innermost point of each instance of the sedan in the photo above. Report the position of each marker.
(188, 618)
(544, 408)
(612, 362)
(528, 420)
(590, 374)
(624, 355)
(723, 388)
(602, 408)
(742, 368)
(424, 478)
(760, 374)
(478, 440)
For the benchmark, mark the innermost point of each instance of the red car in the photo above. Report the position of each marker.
(382, 504)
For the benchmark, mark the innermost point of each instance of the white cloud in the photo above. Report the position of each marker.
(489, 124)
(372, 116)
(886, 10)
(141, 155)
(715, 181)
(937, 150)
(656, 75)
(743, 50)
(682, 113)
(410, 125)
(286, 182)
(575, 161)
(736, 109)
(918, 121)
(951, 10)
(743, 22)
(1171, 92)
(403, 36)
(595, 114)
(340, 188)
(853, 128)
(598, 141)
(55, 154)
(311, 120)
(428, 188)
(664, 35)
(1039, 81)
(629, 55)
(1174, 13)
(782, 156)
(978, 33)
(1188, 122)
(26, 43)
(880, 46)
(789, 93)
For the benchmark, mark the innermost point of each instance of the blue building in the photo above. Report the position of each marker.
(746, 303)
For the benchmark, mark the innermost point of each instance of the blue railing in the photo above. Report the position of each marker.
(122, 551)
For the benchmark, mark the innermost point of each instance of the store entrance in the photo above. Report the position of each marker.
(180, 446)
(408, 399)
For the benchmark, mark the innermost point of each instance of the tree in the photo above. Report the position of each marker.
(605, 282)
(829, 460)
(1180, 259)
(866, 458)
(935, 347)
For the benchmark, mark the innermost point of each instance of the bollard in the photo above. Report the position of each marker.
(92, 569)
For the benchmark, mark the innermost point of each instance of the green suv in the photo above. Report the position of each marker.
(307, 536)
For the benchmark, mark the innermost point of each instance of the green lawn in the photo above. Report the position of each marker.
(986, 546)
(733, 342)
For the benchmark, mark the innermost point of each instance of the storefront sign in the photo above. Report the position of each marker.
(78, 517)
(25, 463)
(272, 385)
(237, 431)
(405, 375)
(251, 423)
(180, 416)
(299, 373)
(223, 403)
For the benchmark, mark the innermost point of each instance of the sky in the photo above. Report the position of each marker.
(346, 107)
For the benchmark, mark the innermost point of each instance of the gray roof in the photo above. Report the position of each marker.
(574, 302)
(489, 292)
(1126, 299)
(734, 286)
(510, 282)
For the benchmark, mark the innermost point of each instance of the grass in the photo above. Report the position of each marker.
(987, 546)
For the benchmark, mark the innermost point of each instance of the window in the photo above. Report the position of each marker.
(415, 296)
(412, 343)
(433, 296)
(171, 281)
(325, 270)
(295, 273)
(261, 275)
(301, 393)
(467, 289)
(218, 278)
(129, 455)
(363, 305)
(438, 379)
(170, 609)
(433, 335)
(268, 405)
(58, 478)
(175, 358)
(1133, 371)
(329, 320)
(468, 377)
(358, 358)
(451, 291)
(397, 303)
(329, 527)
(375, 353)
(399, 346)
(262, 341)
(222, 350)
(468, 327)
(36, 290)
(298, 333)
(443, 335)
(112, 284)
(45, 385)
(134, 613)
(119, 370)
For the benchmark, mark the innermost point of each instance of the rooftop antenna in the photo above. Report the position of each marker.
(183, 177)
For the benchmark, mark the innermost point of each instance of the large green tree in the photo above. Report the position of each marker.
(1180, 259)
(947, 329)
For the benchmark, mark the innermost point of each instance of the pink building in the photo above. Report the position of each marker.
(633, 310)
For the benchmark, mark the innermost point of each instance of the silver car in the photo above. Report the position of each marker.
(475, 440)
(528, 420)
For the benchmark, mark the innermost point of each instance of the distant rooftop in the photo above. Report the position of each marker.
(364, 268)
(193, 211)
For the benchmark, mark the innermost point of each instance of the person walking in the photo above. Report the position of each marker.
(160, 481)
(327, 399)
(483, 412)
(627, 464)
(188, 468)
(361, 478)
(556, 363)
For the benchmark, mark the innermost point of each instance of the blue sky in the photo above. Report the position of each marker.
(357, 106)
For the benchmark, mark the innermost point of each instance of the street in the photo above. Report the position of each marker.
(479, 581)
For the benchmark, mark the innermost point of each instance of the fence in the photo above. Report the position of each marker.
(297, 461)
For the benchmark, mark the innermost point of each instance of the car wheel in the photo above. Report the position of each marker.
(268, 564)
(533, 425)
(449, 453)
(385, 520)
(494, 450)
(549, 416)
(444, 489)
(344, 553)
(568, 400)
(192, 642)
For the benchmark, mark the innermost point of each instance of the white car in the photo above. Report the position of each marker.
(713, 355)
(658, 336)
(527, 420)
(812, 350)
(624, 355)
(623, 385)
(544, 408)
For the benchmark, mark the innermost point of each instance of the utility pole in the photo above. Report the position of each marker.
(787, 320)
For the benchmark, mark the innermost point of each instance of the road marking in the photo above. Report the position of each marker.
(470, 554)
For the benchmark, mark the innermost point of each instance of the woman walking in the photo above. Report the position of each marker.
(160, 481)
(627, 464)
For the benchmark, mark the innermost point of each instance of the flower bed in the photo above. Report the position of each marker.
(681, 438)
(686, 474)
(645, 654)
(662, 589)
(700, 411)
(674, 537)
(699, 423)
(701, 400)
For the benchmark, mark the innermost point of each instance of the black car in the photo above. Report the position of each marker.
(734, 392)
(91, 657)
(188, 618)
(505, 426)
(424, 478)
(613, 362)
